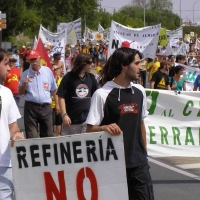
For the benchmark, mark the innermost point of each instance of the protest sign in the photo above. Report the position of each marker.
(143, 39)
(173, 123)
(178, 33)
(162, 41)
(76, 25)
(49, 38)
(86, 166)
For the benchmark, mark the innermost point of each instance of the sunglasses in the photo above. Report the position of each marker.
(90, 62)
(12, 60)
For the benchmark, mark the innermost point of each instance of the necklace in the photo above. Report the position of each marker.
(82, 78)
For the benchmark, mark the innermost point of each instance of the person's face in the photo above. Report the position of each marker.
(132, 71)
(67, 55)
(11, 61)
(35, 63)
(58, 57)
(180, 72)
(182, 61)
(4, 68)
(172, 58)
(89, 65)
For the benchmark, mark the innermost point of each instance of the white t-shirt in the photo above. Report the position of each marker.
(9, 115)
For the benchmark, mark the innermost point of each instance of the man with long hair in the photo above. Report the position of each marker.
(75, 92)
(120, 106)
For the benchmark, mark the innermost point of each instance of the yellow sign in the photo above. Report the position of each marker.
(163, 41)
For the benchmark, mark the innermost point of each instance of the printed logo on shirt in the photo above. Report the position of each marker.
(82, 90)
(162, 83)
(12, 78)
(46, 85)
(128, 108)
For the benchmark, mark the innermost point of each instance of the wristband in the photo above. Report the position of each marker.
(63, 115)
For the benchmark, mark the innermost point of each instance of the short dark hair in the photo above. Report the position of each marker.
(179, 57)
(80, 62)
(121, 57)
(3, 53)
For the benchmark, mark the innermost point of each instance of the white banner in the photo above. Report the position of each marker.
(89, 34)
(76, 25)
(190, 73)
(143, 39)
(178, 33)
(60, 47)
(75, 167)
(181, 49)
(49, 38)
(100, 28)
(173, 123)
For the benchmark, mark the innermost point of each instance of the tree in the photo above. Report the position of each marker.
(14, 15)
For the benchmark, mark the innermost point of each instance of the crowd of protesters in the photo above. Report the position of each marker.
(60, 99)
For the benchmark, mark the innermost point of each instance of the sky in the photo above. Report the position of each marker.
(186, 7)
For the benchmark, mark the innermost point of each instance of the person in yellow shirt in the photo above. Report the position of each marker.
(84, 49)
(57, 120)
(152, 68)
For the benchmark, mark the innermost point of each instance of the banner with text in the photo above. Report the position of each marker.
(60, 47)
(86, 166)
(178, 33)
(143, 39)
(173, 123)
(76, 25)
(163, 41)
(49, 38)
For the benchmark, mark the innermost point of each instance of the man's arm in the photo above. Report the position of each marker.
(15, 133)
(113, 129)
(22, 88)
(168, 87)
(143, 129)
(152, 84)
(65, 118)
(195, 88)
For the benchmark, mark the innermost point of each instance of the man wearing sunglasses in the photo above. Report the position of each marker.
(9, 130)
(37, 84)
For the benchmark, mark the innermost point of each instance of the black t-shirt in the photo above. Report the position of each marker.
(77, 94)
(161, 80)
(26, 65)
(126, 112)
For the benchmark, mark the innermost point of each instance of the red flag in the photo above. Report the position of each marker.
(45, 60)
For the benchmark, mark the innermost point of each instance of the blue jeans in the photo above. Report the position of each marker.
(17, 98)
(6, 183)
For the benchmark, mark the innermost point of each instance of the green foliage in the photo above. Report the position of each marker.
(27, 15)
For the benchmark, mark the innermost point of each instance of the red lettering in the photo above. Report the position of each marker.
(93, 182)
(51, 188)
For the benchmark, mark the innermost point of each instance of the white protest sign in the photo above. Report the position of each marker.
(75, 167)
(178, 33)
(49, 38)
(190, 74)
(76, 25)
(144, 39)
(100, 28)
(173, 123)
(60, 47)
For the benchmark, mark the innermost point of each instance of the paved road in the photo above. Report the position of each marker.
(170, 181)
